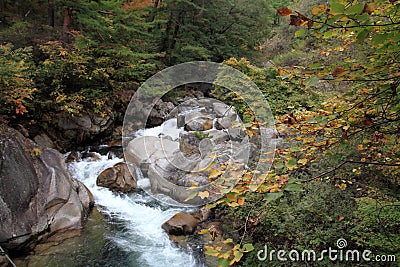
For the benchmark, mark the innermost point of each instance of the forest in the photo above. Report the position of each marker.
(330, 71)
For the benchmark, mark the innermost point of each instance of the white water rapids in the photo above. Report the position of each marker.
(140, 218)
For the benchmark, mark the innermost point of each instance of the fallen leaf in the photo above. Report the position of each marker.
(302, 161)
(203, 231)
(240, 201)
(339, 71)
(204, 194)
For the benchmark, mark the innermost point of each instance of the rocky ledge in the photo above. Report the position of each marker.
(38, 197)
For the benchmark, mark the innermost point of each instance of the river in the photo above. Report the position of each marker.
(125, 232)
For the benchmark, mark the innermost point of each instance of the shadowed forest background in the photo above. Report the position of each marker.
(328, 69)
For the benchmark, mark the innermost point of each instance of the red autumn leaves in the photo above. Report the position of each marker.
(295, 19)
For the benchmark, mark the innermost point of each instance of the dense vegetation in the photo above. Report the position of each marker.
(330, 72)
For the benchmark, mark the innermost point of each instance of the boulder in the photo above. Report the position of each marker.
(44, 141)
(72, 156)
(38, 197)
(180, 224)
(146, 150)
(69, 131)
(196, 120)
(117, 178)
(223, 110)
(189, 143)
(160, 112)
(90, 156)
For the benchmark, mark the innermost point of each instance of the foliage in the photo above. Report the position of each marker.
(378, 226)
(195, 29)
(351, 140)
(201, 135)
(368, 114)
(313, 218)
(283, 95)
(109, 47)
(16, 85)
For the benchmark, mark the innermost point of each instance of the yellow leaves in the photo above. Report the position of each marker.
(215, 252)
(302, 161)
(203, 231)
(253, 187)
(191, 196)
(240, 201)
(36, 152)
(232, 204)
(227, 241)
(204, 194)
(214, 173)
(232, 255)
(319, 10)
(356, 170)
(233, 200)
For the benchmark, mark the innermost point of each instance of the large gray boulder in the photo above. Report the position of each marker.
(38, 197)
(146, 150)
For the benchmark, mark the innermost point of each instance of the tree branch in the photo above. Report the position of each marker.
(351, 162)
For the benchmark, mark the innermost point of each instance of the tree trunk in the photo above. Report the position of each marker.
(67, 22)
(165, 44)
(154, 12)
(51, 12)
(176, 33)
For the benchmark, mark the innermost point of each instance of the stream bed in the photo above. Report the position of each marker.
(123, 229)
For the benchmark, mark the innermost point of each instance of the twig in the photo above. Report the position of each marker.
(373, 163)
(105, 12)
(351, 162)
(247, 219)
(325, 173)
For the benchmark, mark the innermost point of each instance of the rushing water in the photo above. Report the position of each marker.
(127, 231)
(138, 218)
(168, 128)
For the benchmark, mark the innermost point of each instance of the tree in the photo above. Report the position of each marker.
(216, 30)
(350, 139)
(51, 12)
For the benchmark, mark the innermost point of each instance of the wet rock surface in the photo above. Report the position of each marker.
(180, 224)
(117, 178)
(38, 197)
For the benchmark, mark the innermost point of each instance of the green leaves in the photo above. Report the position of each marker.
(380, 39)
(270, 197)
(354, 9)
(291, 163)
(300, 32)
(336, 7)
(362, 35)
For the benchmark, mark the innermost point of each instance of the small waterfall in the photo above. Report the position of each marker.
(168, 128)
